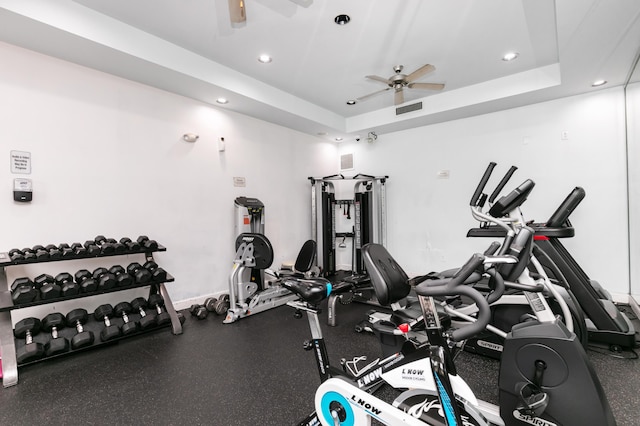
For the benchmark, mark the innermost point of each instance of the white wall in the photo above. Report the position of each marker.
(428, 217)
(108, 158)
(633, 140)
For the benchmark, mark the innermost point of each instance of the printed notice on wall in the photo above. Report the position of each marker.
(21, 162)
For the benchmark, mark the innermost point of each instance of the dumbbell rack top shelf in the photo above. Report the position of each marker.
(5, 260)
(8, 344)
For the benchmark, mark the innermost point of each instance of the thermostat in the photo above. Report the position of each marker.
(22, 190)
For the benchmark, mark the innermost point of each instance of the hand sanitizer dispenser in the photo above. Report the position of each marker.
(22, 190)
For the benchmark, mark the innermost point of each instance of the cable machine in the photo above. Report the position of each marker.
(366, 210)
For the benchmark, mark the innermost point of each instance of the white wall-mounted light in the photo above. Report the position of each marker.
(372, 136)
(190, 137)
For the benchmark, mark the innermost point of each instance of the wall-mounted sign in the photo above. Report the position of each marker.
(21, 162)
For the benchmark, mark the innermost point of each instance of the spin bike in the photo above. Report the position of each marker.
(545, 377)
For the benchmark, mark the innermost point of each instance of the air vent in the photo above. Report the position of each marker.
(346, 162)
(409, 108)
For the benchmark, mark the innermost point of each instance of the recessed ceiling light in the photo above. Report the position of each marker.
(351, 102)
(265, 59)
(222, 100)
(338, 139)
(510, 56)
(598, 83)
(342, 19)
(322, 133)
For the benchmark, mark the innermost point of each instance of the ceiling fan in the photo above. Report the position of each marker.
(398, 82)
(238, 12)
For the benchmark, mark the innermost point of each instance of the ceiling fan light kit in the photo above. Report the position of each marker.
(399, 81)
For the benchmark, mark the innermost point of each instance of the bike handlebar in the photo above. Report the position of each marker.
(482, 184)
(454, 286)
(499, 286)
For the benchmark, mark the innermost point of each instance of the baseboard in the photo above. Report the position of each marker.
(634, 306)
(620, 298)
(185, 304)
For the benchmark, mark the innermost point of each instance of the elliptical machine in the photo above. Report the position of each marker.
(605, 323)
(545, 377)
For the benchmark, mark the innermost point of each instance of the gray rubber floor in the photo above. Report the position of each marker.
(252, 372)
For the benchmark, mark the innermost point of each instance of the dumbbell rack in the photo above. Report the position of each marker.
(7, 340)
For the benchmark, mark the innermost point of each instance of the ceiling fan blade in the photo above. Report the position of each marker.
(398, 97)
(237, 12)
(425, 69)
(380, 79)
(426, 86)
(365, 97)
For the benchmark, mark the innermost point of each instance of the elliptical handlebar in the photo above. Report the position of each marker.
(455, 286)
(482, 184)
(502, 183)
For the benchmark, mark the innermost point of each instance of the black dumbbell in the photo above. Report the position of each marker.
(66, 250)
(26, 329)
(122, 310)
(199, 311)
(67, 286)
(110, 331)
(156, 301)
(54, 251)
(117, 246)
(78, 250)
(77, 318)
(147, 320)
(105, 246)
(220, 306)
(130, 245)
(16, 255)
(57, 344)
(48, 287)
(146, 243)
(106, 280)
(23, 290)
(86, 282)
(157, 273)
(123, 279)
(41, 252)
(140, 275)
(29, 255)
(92, 249)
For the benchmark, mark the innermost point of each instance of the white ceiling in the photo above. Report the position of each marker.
(189, 47)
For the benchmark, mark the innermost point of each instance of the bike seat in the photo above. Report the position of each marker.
(311, 290)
